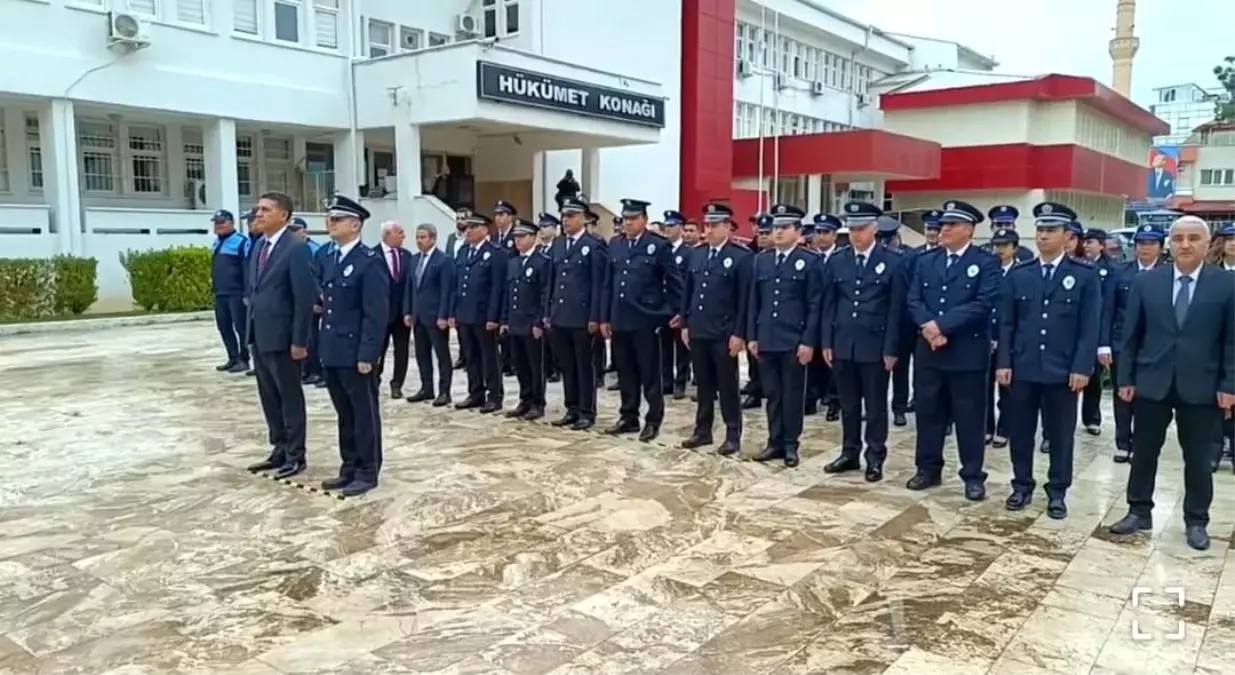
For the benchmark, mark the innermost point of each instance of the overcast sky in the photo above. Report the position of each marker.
(1181, 40)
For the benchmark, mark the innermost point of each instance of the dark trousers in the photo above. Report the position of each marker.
(432, 341)
(574, 349)
(528, 356)
(360, 423)
(1123, 412)
(282, 399)
(996, 417)
(551, 367)
(1057, 405)
(505, 354)
(901, 386)
(600, 360)
(231, 317)
(1224, 435)
(820, 387)
(863, 385)
(1091, 398)
(312, 365)
(675, 359)
(1194, 424)
(399, 334)
(784, 385)
(484, 372)
(636, 353)
(716, 373)
(941, 396)
(754, 385)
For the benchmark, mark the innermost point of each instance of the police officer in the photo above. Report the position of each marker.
(863, 305)
(579, 263)
(311, 369)
(454, 242)
(675, 359)
(783, 329)
(602, 354)
(480, 276)
(1003, 217)
(1004, 244)
(714, 300)
(549, 225)
(820, 387)
(931, 226)
(902, 396)
(643, 290)
(1093, 241)
(1148, 241)
(504, 214)
(229, 253)
(356, 302)
(752, 393)
(953, 289)
(1048, 334)
(528, 279)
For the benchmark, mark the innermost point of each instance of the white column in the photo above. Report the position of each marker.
(349, 163)
(589, 170)
(814, 195)
(540, 184)
(407, 164)
(61, 186)
(222, 183)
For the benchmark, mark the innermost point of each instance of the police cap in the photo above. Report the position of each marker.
(716, 212)
(1052, 214)
(673, 218)
(632, 208)
(547, 220)
(826, 222)
(1003, 215)
(930, 219)
(861, 214)
(956, 211)
(478, 219)
(524, 228)
(346, 207)
(222, 216)
(787, 215)
(1095, 234)
(573, 205)
(1006, 235)
(503, 206)
(1148, 234)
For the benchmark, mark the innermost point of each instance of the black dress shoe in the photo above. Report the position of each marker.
(1122, 455)
(320, 383)
(649, 433)
(1197, 537)
(911, 405)
(489, 407)
(1056, 508)
(419, 396)
(396, 392)
(622, 427)
(833, 414)
(441, 401)
(791, 458)
(469, 403)
(874, 472)
(922, 480)
(459, 364)
(770, 453)
(899, 420)
(842, 464)
(582, 424)
(519, 411)
(614, 387)
(998, 441)
(555, 377)
(566, 420)
(1018, 500)
(239, 367)
(356, 488)
(224, 367)
(975, 492)
(751, 402)
(679, 392)
(291, 468)
(250, 373)
(336, 483)
(533, 413)
(810, 409)
(694, 398)
(1045, 448)
(313, 379)
(729, 448)
(264, 465)
(1131, 524)
(696, 441)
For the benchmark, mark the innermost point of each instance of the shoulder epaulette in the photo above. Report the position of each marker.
(931, 251)
(1025, 263)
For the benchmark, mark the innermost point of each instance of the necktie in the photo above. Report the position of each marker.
(263, 256)
(861, 261)
(1182, 299)
(394, 264)
(1048, 271)
(338, 256)
(711, 256)
(420, 269)
(952, 258)
(780, 258)
(570, 242)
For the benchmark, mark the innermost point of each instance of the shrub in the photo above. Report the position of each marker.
(27, 289)
(170, 280)
(76, 283)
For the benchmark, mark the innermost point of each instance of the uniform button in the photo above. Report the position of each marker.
(778, 281)
(857, 292)
(1046, 302)
(941, 314)
(1043, 331)
(855, 304)
(774, 315)
(621, 296)
(623, 283)
(561, 300)
(327, 326)
(700, 307)
(942, 300)
(1043, 315)
(776, 291)
(775, 303)
(943, 288)
(329, 298)
(1041, 348)
(705, 284)
(330, 311)
(855, 315)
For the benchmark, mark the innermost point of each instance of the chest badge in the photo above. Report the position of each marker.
(677, 260)
(879, 268)
(1102, 272)
(972, 271)
(651, 249)
(528, 273)
(347, 271)
(584, 251)
(485, 256)
(727, 263)
(799, 265)
(1068, 282)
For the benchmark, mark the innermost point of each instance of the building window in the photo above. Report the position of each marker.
(96, 142)
(194, 154)
(244, 165)
(411, 39)
(144, 7)
(287, 20)
(500, 17)
(146, 158)
(34, 152)
(511, 9)
(191, 12)
(437, 39)
(381, 36)
(277, 164)
(1217, 177)
(326, 23)
(244, 16)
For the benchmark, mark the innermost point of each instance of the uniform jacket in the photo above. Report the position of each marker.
(1048, 328)
(785, 301)
(681, 256)
(959, 299)
(282, 295)
(643, 287)
(506, 241)
(1115, 303)
(528, 280)
(356, 308)
(228, 264)
(479, 281)
(578, 281)
(716, 292)
(433, 297)
(863, 307)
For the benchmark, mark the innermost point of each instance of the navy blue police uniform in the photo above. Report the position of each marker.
(820, 385)
(643, 291)
(547, 221)
(1091, 398)
(752, 392)
(529, 276)
(321, 253)
(997, 395)
(863, 305)
(714, 299)
(429, 303)
(579, 263)
(1224, 437)
(228, 262)
(782, 320)
(1004, 217)
(504, 238)
(602, 352)
(675, 361)
(902, 386)
(953, 293)
(480, 278)
(356, 308)
(1113, 330)
(456, 241)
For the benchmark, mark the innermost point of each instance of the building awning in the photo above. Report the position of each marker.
(1205, 207)
(865, 154)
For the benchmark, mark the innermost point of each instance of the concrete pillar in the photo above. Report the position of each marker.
(222, 182)
(589, 174)
(61, 184)
(540, 184)
(349, 163)
(815, 202)
(407, 163)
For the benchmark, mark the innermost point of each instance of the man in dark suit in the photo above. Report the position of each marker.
(398, 262)
(426, 310)
(1178, 360)
(480, 276)
(283, 290)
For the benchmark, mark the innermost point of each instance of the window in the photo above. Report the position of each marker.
(277, 164)
(146, 159)
(244, 165)
(326, 23)
(244, 16)
(194, 154)
(287, 20)
(96, 143)
(144, 7)
(511, 9)
(34, 152)
(380, 36)
(437, 39)
(499, 18)
(1217, 177)
(4, 162)
(411, 39)
(191, 12)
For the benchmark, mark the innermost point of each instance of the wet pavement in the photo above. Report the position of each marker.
(132, 541)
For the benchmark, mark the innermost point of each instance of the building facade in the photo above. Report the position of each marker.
(1184, 107)
(1206, 182)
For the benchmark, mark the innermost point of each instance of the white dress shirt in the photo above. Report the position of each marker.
(389, 253)
(344, 249)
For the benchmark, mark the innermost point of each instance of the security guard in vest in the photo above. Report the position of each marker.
(1004, 244)
(752, 392)
(480, 278)
(1003, 217)
(713, 317)
(579, 262)
(528, 279)
(356, 304)
(229, 255)
(782, 329)
(1048, 336)
(951, 295)
(863, 305)
(643, 291)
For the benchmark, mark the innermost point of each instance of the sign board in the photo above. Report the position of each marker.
(520, 87)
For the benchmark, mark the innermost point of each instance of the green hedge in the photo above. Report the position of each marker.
(171, 279)
(37, 288)
(77, 287)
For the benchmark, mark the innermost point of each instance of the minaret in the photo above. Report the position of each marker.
(1124, 46)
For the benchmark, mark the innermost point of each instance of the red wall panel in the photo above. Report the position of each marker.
(707, 102)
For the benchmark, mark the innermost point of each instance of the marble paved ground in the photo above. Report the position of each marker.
(132, 541)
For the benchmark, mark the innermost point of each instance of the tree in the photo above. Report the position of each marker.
(1225, 106)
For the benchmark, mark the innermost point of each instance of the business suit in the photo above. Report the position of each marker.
(283, 292)
(427, 299)
(1177, 368)
(398, 267)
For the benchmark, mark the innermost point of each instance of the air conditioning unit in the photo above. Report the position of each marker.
(817, 88)
(127, 31)
(863, 100)
(465, 24)
(780, 82)
(411, 41)
(745, 68)
(195, 193)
